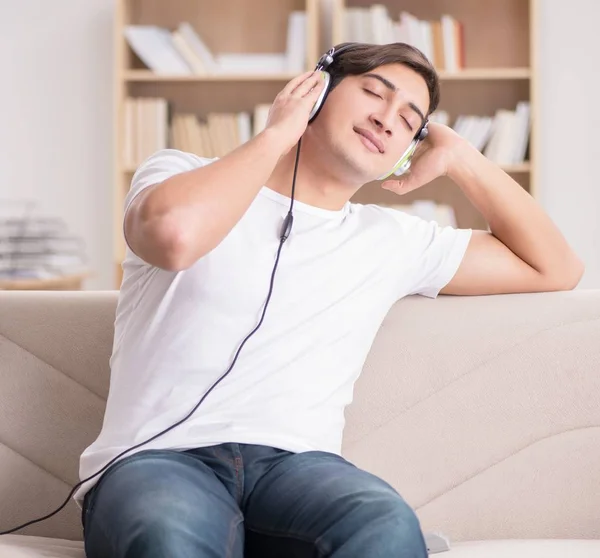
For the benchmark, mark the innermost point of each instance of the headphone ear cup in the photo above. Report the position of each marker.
(322, 96)
(403, 164)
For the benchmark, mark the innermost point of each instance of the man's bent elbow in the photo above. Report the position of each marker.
(166, 245)
(569, 277)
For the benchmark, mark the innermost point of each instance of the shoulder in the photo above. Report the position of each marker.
(159, 167)
(413, 233)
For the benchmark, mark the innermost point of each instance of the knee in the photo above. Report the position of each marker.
(404, 530)
(151, 536)
(162, 525)
(391, 526)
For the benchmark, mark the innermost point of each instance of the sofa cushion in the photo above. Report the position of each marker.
(22, 546)
(547, 548)
(19, 546)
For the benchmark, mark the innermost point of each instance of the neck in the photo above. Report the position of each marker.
(316, 183)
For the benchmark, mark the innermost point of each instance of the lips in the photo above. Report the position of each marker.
(370, 137)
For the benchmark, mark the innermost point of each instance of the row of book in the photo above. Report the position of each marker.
(182, 51)
(219, 133)
(502, 138)
(442, 41)
(150, 126)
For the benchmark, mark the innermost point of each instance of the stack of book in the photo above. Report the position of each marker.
(442, 41)
(182, 51)
(502, 138)
(33, 247)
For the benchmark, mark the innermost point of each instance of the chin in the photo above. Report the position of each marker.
(352, 163)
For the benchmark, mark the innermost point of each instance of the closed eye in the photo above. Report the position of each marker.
(407, 123)
(372, 93)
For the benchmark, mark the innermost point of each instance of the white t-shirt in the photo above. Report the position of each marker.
(177, 332)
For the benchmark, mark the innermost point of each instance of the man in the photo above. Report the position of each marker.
(255, 470)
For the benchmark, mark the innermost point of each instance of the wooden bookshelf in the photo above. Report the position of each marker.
(227, 26)
(499, 70)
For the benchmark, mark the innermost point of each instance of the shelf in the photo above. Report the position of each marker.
(466, 74)
(148, 76)
(486, 74)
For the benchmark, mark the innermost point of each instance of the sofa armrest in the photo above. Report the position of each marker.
(484, 412)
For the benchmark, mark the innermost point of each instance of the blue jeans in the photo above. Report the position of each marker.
(236, 500)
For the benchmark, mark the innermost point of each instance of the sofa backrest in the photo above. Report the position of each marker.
(483, 412)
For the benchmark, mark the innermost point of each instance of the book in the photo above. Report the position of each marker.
(503, 137)
(183, 51)
(154, 47)
(296, 42)
(441, 41)
(197, 47)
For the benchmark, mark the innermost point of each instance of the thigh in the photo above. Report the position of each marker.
(162, 503)
(318, 504)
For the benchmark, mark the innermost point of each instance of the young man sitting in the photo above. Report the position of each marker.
(256, 470)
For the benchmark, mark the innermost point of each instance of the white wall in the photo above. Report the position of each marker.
(56, 133)
(56, 104)
(569, 129)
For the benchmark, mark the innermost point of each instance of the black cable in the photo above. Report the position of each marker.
(286, 229)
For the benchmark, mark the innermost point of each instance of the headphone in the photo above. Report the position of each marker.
(403, 164)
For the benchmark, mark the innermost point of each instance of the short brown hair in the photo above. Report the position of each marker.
(360, 58)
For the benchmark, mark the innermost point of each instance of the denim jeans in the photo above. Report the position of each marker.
(235, 500)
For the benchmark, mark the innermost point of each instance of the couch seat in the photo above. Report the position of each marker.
(20, 546)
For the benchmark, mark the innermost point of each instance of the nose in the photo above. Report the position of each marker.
(382, 122)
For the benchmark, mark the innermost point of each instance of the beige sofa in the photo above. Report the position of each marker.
(484, 413)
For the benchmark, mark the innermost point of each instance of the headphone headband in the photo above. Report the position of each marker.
(326, 60)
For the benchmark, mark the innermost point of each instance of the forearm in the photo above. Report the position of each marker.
(190, 213)
(514, 217)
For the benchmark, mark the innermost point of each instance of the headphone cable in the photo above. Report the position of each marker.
(285, 232)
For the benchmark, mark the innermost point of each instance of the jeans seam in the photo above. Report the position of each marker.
(239, 475)
(231, 538)
(289, 535)
(219, 453)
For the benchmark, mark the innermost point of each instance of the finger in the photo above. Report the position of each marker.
(401, 187)
(392, 186)
(292, 84)
(315, 91)
(311, 97)
(313, 83)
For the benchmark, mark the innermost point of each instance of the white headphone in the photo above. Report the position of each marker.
(403, 164)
